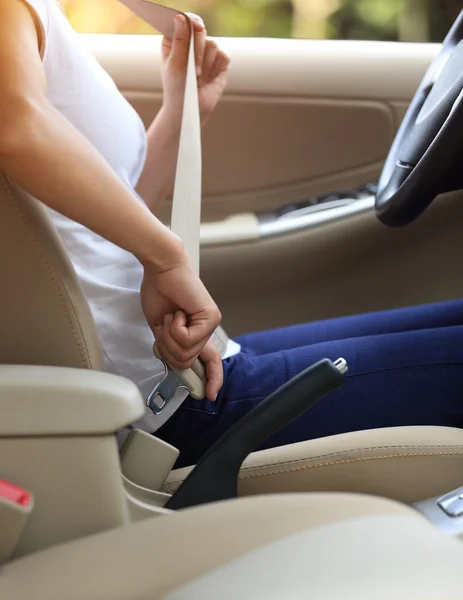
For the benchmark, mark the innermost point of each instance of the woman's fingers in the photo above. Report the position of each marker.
(221, 63)
(199, 329)
(200, 33)
(176, 348)
(210, 62)
(180, 357)
(176, 355)
(214, 370)
(174, 342)
(209, 355)
(166, 48)
(178, 48)
(210, 55)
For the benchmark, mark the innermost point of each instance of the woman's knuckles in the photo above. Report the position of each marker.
(211, 44)
(217, 317)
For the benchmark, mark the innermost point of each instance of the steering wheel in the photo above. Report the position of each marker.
(426, 158)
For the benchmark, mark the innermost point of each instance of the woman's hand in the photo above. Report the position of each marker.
(163, 134)
(211, 68)
(182, 316)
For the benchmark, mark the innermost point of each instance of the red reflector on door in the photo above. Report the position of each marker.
(13, 493)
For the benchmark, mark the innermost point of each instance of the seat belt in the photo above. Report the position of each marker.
(186, 206)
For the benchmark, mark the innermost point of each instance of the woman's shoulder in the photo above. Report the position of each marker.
(40, 12)
(40, 8)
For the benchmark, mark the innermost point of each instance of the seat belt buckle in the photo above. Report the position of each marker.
(15, 508)
(193, 380)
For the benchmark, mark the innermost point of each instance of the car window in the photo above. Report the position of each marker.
(394, 20)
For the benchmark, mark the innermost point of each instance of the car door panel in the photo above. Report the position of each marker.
(302, 118)
(343, 267)
(299, 117)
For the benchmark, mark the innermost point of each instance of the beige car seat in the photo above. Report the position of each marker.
(59, 417)
(45, 318)
(292, 547)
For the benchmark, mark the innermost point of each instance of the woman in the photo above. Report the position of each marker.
(69, 138)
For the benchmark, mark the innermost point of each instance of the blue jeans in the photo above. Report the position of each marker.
(405, 368)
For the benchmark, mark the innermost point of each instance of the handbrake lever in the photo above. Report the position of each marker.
(215, 477)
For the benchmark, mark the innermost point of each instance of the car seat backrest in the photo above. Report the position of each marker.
(44, 315)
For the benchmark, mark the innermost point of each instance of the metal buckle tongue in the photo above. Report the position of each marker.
(164, 391)
(193, 380)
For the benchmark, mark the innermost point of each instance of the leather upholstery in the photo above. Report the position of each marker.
(347, 546)
(401, 463)
(45, 317)
(381, 557)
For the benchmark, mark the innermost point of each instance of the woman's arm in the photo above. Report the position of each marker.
(42, 152)
(157, 178)
(163, 135)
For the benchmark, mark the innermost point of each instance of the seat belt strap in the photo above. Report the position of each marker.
(186, 203)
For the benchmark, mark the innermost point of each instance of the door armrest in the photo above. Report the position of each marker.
(49, 401)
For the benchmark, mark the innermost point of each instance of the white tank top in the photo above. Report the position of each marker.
(86, 95)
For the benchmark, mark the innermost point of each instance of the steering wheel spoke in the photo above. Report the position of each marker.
(429, 144)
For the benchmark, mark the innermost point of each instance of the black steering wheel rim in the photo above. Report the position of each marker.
(425, 158)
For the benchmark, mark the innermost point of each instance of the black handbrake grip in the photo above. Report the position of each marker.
(215, 477)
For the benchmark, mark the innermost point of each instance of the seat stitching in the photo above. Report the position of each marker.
(244, 475)
(351, 460)
(365, 449)
(48, 269)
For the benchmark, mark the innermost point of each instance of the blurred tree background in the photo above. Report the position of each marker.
(401, 20)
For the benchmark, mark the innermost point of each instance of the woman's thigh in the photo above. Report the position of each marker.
(428, 316)
(405, 378)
